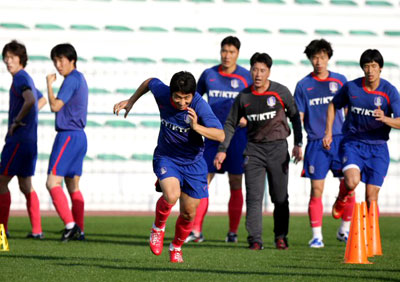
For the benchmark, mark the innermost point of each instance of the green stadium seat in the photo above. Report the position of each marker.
(13, 26)
(256, 30)
(237, 1)
(110, 157)
(46, 122)
(345, 63)
(43, 157)
(150, 123)
(95, 91)
(106, 59)
(152, 29)
(343, 3)
(390, 65)
(187, 29)
(168, 0)
(142, 157)
(307, 2)
(117, 28)
(81, 59)
(377, 3)
(207, 61)
(201, 1)
(292, 31)
(174, 61)
(279, 62)
(243, 61)
(87, 158)
(272, 1)
(221, 30)
(325, 32)
(392, 32)
(141, 60)
(119, 123)
(125, 91)
(362, 32)
(46, 26)
(83, 27)
(3, 89)
(38, 58)
(4, 121)
(91, 123)
(305, 62)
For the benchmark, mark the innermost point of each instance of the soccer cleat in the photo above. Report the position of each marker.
(81, 237)
(157, 241)
(71, 234)
(342, 237)
(338, 207)
(175, 254)
(281, 243)
(316, 243)
(256, 246)
(194, 238)
(231, 237)
(35, 236)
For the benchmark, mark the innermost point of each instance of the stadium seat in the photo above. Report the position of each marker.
(141, 60)
(280, 62)
(3, 89)
(91, 123)
(117, 28)
(150, 123)
(392, 32)
(110, 157)
(256, 30)
(378, 3)
(152, 29)
(391, 65)
(38, 58)
(167, 0)
(80, 59)
(237, 1)
(327, 32)
(46, 122)
(87, 158)
(243, 62)
(207, 61)
(201, 1)
(305, 62)
(4, 121)
(174, 61)
(308, 2)
(347, 63)
(221, 30)
(272, 1)
(48, 26)
(292, 31)
(106, 59)
(343, 2)
(119, 123)
(187, 29)
(125, 91)
(142, 157)
(43, 156)
(83, 27)
(98, 91)
(362, 32)
(13, 26)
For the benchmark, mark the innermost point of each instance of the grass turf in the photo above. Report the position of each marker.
(117, 250)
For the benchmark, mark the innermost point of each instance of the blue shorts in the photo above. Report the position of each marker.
(371, 159)
(18, 158)
(69, 150)
(318, 161)
(233, 163)
(192, 178)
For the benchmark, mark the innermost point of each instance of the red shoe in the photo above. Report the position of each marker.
(281, 243)
(338, 207)
(156, 241)
(175, 254)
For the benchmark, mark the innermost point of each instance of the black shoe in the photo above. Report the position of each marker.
(256, 246)
(281, 243)
(231, 237)
(39, 236)
(71, 234)
(81, 237)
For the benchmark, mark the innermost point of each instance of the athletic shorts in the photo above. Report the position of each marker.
(233, 163)
(69, 150)
(371, 159)
(18, 158)
(318, 161)
(192, 178)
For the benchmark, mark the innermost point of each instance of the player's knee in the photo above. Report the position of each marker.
(351, 183)
(171, 198)
(188, 215)
(235, 183)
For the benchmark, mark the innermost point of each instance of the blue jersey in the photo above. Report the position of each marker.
(74, 93)
(360, 124)
(312, 96)
(222, 88)
(21, 82)
(177, 140)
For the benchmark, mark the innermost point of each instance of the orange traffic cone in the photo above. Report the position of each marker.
(375, 240)
(356, 252)
(366, 229)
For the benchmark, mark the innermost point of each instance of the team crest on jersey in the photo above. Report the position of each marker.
(311, 169)
(187, 119)
(333, 87)
(378, 101)
(271, 101)
(163, 170)
(235, 83)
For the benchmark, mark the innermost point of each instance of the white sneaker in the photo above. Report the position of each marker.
(316, 243)
(342, 237)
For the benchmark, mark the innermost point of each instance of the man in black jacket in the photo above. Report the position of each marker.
(265, 105)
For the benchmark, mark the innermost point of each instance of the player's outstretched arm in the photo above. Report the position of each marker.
(128, 104)
(208, 132)
(330, 117)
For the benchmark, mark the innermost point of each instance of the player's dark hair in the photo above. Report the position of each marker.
(17, 49)
(371, 55)
(317, 46)
(231, 40)
(64, 50)
(261, 58)
(183, 82)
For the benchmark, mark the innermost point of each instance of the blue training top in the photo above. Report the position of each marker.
(177, 140)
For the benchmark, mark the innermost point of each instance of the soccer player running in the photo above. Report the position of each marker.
(178, 158)
(19, 154)
(312, 95)
(373, 109)
(265, 105)
(221, 84)
(70, 144)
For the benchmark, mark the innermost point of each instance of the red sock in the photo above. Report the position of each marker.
(78, 208)
(61, 204)
(235, 207)
(348, 209)
(33, 207)
(163, 209)
(200, 214)
(5, 203)
(315, 211)
(343, 191)
(183, 228)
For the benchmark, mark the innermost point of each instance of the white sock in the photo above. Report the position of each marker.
(70, 225)
(344, 226)
(172, 247)
(317, 232)
(158, 229)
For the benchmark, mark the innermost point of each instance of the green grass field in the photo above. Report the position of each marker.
(117, 250)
